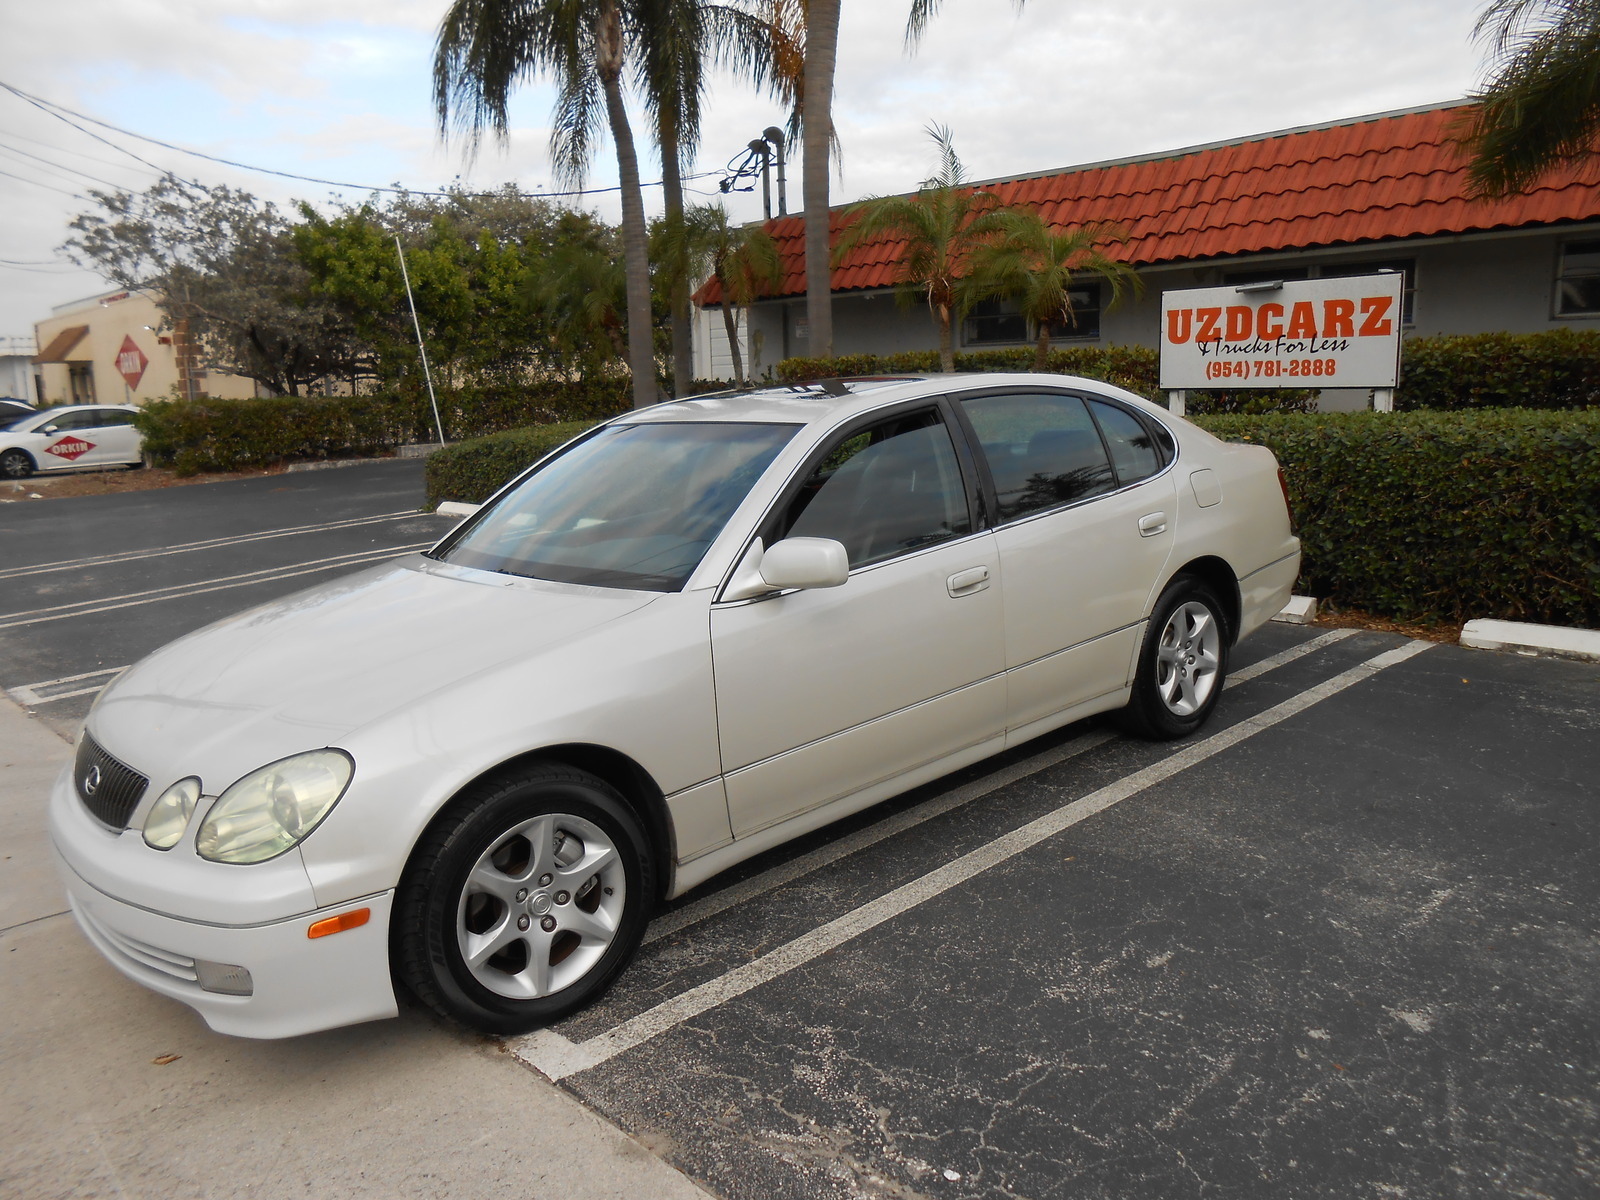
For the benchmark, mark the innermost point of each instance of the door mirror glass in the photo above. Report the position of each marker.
(805, 562)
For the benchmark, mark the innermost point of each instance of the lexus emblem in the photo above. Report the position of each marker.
(91, 781)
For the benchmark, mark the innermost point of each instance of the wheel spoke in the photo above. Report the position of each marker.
(597, 856)
(598, 926)
(479, 948)
(541, 835)
(486, 877)
(1191, 699)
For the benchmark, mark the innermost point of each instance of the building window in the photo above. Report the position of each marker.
(1404, 266)
(994, 322)
(1578, 284)
(1085, 321)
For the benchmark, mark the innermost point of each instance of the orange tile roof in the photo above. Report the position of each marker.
(1363, 180)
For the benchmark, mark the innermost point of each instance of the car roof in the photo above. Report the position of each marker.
(830, 400)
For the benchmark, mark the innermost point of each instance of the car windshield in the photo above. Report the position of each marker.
(634, 506)
(10, 420)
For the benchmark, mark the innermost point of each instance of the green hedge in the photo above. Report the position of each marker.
(1436, 516)
(1557, 369)
(221, 435)
(1135, 368)
(472, 471)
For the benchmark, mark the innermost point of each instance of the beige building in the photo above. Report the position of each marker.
(107, 349)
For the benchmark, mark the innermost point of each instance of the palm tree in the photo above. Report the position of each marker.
(1034, 263)
(1541, 104)
(821, 54)
(943, 223)
(745, 262)
(581, 291)
(678, 41)
(486, 46)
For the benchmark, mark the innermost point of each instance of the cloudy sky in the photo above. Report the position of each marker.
(339, 90)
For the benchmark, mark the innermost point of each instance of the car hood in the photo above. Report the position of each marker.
(304, 671)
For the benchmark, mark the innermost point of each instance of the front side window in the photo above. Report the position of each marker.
(884, 490)
(1578, 284)
(634, 506)
(1043, 450)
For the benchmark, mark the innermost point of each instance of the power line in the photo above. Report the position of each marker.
(60, 169)
(47, 186)
(58, 111)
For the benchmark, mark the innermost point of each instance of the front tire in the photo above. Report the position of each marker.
(1183, 663)
(523, 900)
(15, 464)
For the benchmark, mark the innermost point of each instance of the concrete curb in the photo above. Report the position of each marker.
(1553, 641)
(1301, 610)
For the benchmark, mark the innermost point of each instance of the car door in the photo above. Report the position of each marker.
(822, 693)
(114, 437)
(1084, 515)
(65, 442)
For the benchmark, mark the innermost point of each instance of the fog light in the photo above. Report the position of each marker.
(224, 978)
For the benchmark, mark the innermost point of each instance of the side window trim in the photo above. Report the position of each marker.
(1167, 447)
(785, 496)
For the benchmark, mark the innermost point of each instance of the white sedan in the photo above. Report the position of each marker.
(692, 634)
(69, 438)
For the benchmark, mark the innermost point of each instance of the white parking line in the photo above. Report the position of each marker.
(558, 1057)
(822, 856)
(31, 695)
(62, 612)
(72, 564)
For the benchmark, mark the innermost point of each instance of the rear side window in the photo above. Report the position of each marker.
(885, 490)
(1043, 451)
(1134, 452)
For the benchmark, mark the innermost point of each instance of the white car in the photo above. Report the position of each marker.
(69, 438)
(694, 633)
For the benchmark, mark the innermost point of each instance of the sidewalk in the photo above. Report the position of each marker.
(391, 1109)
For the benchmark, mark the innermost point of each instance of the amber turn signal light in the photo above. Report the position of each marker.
(350, 920)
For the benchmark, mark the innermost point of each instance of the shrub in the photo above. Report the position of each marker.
(222, 435)
(1443, 516)
(1557, 369)
(473, 471)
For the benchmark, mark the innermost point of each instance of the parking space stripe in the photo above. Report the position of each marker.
(98, 560)
(62, 612)
(797, 868)
(558, 1057)
(31, 695)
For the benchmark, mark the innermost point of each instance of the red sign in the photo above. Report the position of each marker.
(70, 448)
(131, 362)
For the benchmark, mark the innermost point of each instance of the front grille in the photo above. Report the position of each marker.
(109, 789)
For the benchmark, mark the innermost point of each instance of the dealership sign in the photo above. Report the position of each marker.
(1300, 333)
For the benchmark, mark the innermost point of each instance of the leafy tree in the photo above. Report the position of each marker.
(582, 292)
(222, 261)
(485, 47)
(942, 224)
(1033, 263)
(1541, 104)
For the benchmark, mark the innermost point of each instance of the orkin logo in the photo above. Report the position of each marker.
(69, 448)
(131, 362)
(91, 781)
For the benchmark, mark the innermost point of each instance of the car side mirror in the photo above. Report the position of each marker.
(51, 429)
(805, 562)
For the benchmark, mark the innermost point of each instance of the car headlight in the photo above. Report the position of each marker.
(169, 815)
(272, 810)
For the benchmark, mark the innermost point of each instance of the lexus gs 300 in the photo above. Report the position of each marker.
(692, 634)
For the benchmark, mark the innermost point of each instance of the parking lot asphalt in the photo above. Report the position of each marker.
(91, 584)
(1343, 943)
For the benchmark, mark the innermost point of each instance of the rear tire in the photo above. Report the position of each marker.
(523, 901)
(15, 464)
(1183, 663)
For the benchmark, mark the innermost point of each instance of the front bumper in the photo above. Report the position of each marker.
(299, 984)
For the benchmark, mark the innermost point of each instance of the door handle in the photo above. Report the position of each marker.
(965, 583)
(1152, 523)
